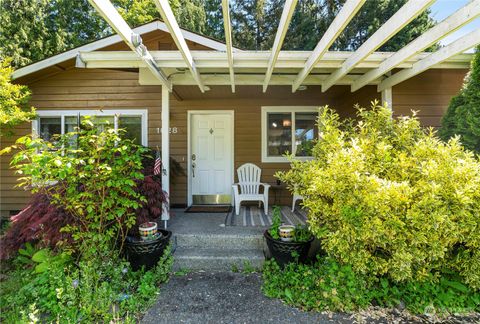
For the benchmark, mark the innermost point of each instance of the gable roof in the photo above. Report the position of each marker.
(111, 40)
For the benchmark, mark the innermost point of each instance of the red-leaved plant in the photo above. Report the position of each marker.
(41, 222)
(150, 188)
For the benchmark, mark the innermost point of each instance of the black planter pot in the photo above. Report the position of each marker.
(146, 253)
(282, 251)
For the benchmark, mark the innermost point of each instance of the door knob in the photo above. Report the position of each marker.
(194, 157)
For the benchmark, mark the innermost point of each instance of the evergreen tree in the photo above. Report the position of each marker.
(32, 30)
(214, 19)
(190, 14)
(371, 17)
(255, 23)
(463, 114)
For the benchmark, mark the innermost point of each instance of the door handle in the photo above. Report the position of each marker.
(193, 170)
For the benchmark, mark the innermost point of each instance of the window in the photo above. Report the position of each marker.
(54, 122)
(286, 130)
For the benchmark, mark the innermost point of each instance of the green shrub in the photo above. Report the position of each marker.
(14, 98)
(92, 291)
(95, 182)
(463, 114)
(93, 177)
(328, 285)
(390, 198)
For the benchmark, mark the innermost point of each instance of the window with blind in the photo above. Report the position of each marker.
(288, 130)
(54, 122)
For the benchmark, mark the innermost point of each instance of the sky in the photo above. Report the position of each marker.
(441, 9)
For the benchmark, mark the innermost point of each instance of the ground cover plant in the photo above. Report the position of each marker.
(394, 203)
(330, 285)
(66, 291)
(91, 188)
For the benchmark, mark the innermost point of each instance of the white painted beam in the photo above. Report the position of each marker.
(464, 43)
(172, 25)
(165, 150)
(348, 11)
(214, 79)
(400, 19)
(458, 19)
(287, 14)
(287, 60)
(106, 9)
(228, 40)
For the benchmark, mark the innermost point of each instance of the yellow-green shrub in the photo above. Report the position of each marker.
(390, 198)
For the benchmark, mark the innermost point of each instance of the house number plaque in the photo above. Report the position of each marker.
(171, 130)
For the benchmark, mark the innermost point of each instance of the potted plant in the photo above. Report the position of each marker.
(287, 243)
(146, 243)
(148, 231)
(140, 252)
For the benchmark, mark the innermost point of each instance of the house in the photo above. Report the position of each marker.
(213, 107)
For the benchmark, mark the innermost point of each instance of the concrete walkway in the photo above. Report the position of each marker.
(226, 297)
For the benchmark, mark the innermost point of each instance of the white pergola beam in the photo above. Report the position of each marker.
(348, 11)
(290, 61)
(215, 79)
(400, 19)
(106, 9)
(464, 43)
(285, 19)
(172, 25)
(458, 19)
(228, 40)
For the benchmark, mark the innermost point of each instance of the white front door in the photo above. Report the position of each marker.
(211, 158)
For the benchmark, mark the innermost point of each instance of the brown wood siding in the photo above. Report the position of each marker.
(346, 102)
(246, 104)
(108, 89)
(82, 89)
(429, 93)
(12, 198)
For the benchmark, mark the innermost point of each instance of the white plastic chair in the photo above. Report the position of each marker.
(248, 187)
(295, 198)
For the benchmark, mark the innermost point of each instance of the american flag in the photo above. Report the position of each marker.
(158, 163)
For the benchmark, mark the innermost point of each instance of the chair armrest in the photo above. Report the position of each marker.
(235, 187)
(266, 187)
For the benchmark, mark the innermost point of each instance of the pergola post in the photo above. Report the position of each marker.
(166, 151)
(387, 98)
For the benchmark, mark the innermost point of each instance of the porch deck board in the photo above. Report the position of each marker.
(253, 216)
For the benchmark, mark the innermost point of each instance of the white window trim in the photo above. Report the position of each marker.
(282, 109)
(143, 113)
